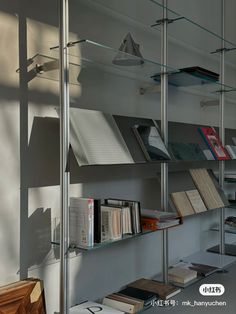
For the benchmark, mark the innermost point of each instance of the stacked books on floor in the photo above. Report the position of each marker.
(137, 296)
(206, 196)
(182, 274)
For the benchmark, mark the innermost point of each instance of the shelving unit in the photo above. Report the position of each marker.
(98, 56)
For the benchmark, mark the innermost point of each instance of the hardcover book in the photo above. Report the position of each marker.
(146, 296)
(207, 188)
(231, 150)
(189, 151)
(181, 275)
(123, 303)
(213, 141)
(165, 291)
(151, 142)
(82, 221)
(182, 203)
(196, 201)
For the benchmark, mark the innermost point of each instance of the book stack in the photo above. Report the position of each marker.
(165, 291)
(130, 299)
(181, 275)
(154, 219)
(92, 222)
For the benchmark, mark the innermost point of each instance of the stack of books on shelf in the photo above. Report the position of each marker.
(92, 222)
(206, 196)
(155, 220)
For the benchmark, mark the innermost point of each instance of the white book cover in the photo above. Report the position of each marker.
(231, 150)
(93, 307)
(96, 138)
(196, 201)
(82, 221)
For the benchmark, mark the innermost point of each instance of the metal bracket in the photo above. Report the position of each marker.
(222, 49)
(150, 89)
(169, 21)
(209, 103)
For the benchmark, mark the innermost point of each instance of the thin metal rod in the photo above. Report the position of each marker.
(221, 125)
(64, 153)
(164, 130)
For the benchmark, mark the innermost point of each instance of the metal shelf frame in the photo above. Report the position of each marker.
(65, 135)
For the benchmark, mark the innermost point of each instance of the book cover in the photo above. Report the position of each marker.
(93, 307)
(182, 203)
(140, 294)
(202, 269)
(165, 291)
(231, 149)
(186, 151)
(213, 141)
(207, 188)
(181, 274)
(196, 201)
(151, 142)
(82, 221)
(136, 305)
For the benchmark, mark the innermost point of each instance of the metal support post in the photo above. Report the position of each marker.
(222, 127)
(64, 153)
(164, 130)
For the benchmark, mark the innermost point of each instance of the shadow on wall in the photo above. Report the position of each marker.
(38, 242)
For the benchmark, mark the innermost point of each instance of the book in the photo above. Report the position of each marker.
(81, 221)
(208, 154)
(96, 139)
(203, 270)
(125, 304)
(153, 224)
(151, 142)
(146, 296)
(111, 223)
(190, 76)
(97, 221)
(181, 274)
(213, 141)
(93, 307)
(207, 188)
(196, 201)
(234, 140)
(231, 149)
(182, 203)
(165, 291)
(189, 151)
(133, 214)
(150, 213)
(135, 304)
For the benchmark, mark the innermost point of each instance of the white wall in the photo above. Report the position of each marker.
(26, 212)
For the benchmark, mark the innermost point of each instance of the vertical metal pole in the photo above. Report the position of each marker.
(64, 153)
(221, 125)
(164, 130)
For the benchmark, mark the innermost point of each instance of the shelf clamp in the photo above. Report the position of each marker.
(223, 49)
(151, 89)
(209, 103)
(169, 21)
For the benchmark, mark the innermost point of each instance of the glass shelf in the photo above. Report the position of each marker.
(47, 67)
(228, 229)
(148, 14)
(110, 243)
(91, 56)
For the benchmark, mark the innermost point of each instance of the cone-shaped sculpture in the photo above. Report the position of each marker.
(128, 46)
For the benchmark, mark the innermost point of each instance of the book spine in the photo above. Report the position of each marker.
(97, 221)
